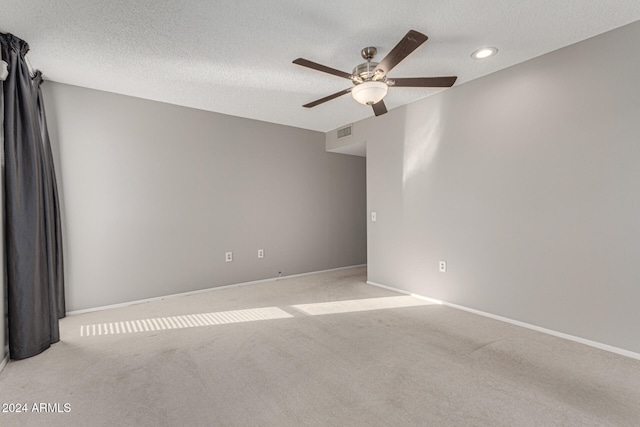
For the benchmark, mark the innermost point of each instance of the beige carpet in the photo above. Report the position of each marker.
(320, 350)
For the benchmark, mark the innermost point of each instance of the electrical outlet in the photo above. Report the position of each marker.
(260, 253)
(228, 257)
(443, 266)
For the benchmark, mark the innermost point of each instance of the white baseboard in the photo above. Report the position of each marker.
(590, 343)
(199, 291)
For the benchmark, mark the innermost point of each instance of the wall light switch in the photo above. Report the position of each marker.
(228, 257)
(260, 253)
(373, 216)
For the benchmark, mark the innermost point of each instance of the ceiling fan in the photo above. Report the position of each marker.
(371, 79)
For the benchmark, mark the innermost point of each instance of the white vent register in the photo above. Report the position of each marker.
(344, 132)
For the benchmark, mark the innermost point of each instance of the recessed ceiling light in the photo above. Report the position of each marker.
(484, 52)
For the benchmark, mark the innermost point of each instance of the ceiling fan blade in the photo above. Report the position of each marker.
(379, 108)
(410, 42)
(424, 82)
(320, 67)
(327, 98)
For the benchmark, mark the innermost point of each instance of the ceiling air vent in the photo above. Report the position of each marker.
(344, 132)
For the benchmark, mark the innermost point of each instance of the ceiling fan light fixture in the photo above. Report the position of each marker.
(369, 92)
(484, 52)
(370, 78)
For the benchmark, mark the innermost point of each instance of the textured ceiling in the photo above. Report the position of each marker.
(234, 57)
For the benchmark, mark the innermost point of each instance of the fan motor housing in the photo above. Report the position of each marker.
(366, 71)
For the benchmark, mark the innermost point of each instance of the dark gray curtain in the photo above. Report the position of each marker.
(33, 244)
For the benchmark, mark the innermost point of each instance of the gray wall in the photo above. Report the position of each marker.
(153, 195)
(527, 182)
